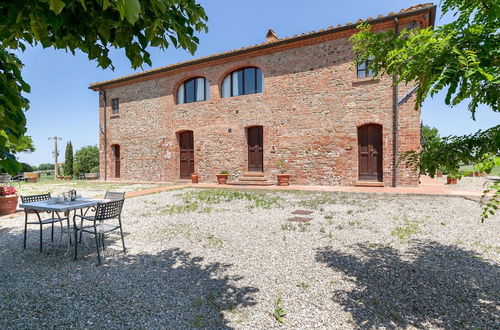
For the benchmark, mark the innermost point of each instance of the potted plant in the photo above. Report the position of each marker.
(222, 177)
(8, 200)
(452, 178)
(194, 178)
(283, 179)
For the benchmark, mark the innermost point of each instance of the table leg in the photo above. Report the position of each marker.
(76, 234)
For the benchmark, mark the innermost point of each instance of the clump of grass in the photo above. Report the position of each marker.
(303, 226)
(218, 196)
(183, 208)
(279, 312)
(288, 226)
(303, 285)
(214, 241)
(406, 230)
(354, 223)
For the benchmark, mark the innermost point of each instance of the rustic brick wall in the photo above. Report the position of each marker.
(310, 110)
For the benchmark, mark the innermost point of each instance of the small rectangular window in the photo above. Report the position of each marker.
(363, 69)
(115, 105)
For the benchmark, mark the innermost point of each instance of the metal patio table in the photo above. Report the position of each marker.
(66, 207)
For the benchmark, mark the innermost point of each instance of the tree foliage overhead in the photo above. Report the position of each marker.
(93, 27)
(461, 57)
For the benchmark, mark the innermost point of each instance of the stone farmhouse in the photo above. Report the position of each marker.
(297, 104)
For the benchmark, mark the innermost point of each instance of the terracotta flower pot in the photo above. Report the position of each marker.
(222, 178)
(194, 178)
(68, 178)
(439, 174)
(451, 180)
(8, 204)
(283, 179)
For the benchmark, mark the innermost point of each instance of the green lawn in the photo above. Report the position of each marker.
(85, 188)
(494, 172)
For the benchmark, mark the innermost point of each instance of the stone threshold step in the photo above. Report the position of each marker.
(254, 174)
(251, 183)
(252, 178)
(369, 184)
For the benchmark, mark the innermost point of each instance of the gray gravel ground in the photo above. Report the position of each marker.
(469, 184)
(230, 259)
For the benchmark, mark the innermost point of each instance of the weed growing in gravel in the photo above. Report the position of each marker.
(214, 241)
(354, 223)
(179, 209)
(303, 226)
(339, 227)
(218, 196)
(279, 312)
(329, 216)
(288, 226)
(199, 322)
(350, 212)
(407, 229)
(303, 285)
(322, 230)
(493, 248)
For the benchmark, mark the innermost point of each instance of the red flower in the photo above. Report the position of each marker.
(7, 190)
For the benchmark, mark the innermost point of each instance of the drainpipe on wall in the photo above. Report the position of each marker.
(103, 94)
(395, 117)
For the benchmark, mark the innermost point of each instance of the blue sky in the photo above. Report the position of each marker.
(62, 104)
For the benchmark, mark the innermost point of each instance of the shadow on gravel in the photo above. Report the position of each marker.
(168, 289)
(430, 285)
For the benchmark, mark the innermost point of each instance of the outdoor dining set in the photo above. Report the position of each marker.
(75, 215)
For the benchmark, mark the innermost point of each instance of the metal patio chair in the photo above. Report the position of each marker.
(55, 217)
(111, 195)
(104, 214)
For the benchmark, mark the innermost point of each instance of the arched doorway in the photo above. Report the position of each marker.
(370, 152)
(255, 140)
(186, 156)
(116, 159)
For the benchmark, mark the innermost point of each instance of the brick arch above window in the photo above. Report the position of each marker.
(242, 81)
(194, 89)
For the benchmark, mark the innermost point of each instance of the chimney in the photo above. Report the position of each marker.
(271, 36)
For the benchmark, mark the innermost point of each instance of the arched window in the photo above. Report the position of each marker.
(193, 90)
(243, 81)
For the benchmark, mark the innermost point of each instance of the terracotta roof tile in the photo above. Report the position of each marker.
(267, 43)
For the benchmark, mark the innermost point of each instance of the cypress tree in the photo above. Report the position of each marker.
(68, 161)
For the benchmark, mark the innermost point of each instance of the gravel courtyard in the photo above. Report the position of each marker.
(228, 259)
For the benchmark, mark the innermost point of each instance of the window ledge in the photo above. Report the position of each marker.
(114, 116)
(365, 80)
(191, 103)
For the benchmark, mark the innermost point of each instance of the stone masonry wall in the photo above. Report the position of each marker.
(310, 109)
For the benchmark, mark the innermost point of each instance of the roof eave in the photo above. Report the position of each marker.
(430, 9)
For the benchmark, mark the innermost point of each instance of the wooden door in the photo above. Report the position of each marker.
(370, 152)
(186, 146)
(116, 156)
(255, 149)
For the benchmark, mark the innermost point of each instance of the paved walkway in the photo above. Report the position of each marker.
(428, 186)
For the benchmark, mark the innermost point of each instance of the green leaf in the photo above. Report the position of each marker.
(130, 9)
(56, 6)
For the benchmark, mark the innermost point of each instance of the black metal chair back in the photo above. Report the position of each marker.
(109, 210)
(35, 198)
(114, 195)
